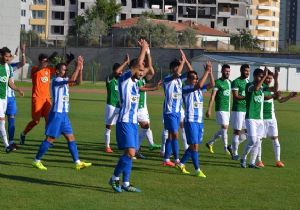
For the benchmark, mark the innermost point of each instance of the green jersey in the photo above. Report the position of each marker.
(5, 74)
(269, 112)
(223, 88)
(143, 94)
(239, 85)
(112, 91)
(254, 102)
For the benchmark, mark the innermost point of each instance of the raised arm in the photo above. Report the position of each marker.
(275, 87)
(258, 85)
(149, 65)
(144, 46)
(78, 68)
(23, 57)
(211, 80)
(125, 63)
(151, 87)
(286, 98)
(207, 71)
(210, 104)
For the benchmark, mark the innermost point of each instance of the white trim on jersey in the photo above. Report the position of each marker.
(60, 95)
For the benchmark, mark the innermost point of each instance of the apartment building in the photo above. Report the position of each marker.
(264, 23)
(289, 29)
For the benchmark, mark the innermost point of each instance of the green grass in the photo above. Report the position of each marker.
(227, 186)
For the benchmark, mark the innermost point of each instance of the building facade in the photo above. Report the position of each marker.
(264, 23)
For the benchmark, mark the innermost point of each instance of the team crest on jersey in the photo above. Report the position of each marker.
(44, 79)
(4, 79)
(134, 99)
(116, 88)
(226, 93)
(176, 96)
(243, 93)
(258, 99)
(198, 104)
(65, 98)
(46, 73)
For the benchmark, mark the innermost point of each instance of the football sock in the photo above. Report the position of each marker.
(120, 165)
(186, 156)
(175, 148)
(251, 141)
(254, 152)
(235, 144)
(259, 151)
(107, 137)
(45, 145)
(3, 133)
(215, 136)
(168, 149)
(127, 169)
(11, 129)
(149, 136)
(243, 137)
(224, 137)
(276, 147)
(164, 137)
(195, 159)
(183, 138)
(73, 150)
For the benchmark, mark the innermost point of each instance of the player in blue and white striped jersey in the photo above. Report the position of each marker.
(193, 123)
(127, 124)
(59, 122)
(172, 85)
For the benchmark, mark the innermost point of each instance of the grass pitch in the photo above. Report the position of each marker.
(227, 186)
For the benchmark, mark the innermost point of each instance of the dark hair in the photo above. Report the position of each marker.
(225, 66)
(190, 73)
(174, 63)
(133, 63)
(257, 72)
(244, 66)
(42, 56)
(116, 66)
(4, 50)
(58, 66)
(270, 73)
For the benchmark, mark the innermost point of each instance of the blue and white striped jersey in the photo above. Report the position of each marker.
(173, 93)
(193, 103)
(60, 95)
(11, 92)
(129, 98)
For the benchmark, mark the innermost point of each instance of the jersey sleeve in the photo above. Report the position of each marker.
(127, 74)
(217, 85)
(188, 89)
(11, 73)
(59, 81)
(204, 88)
(168, 79)
(234, 85)
(15, 65)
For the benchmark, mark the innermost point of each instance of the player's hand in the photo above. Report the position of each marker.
(266, 71)
(127, 59)
(16, 51)
(21, 92)
(276, 74)
(159, 84)
(208, 114)
(183, 57)
(276, 95)
(208, 66)
(23, 48)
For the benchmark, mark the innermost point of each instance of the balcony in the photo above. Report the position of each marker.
(37, 21)
(267, 28)
(224, 14)
(38, 7)
(270, 18)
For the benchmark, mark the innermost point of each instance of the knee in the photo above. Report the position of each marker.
(35, 121)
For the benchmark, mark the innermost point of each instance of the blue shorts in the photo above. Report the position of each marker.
(11, 106)
(127, 135)
(193, 132)
(172, 122)
(58, 123)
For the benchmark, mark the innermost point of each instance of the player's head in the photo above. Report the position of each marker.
(245, 71)
(43, 59)
(5, 54)
(61, 69)
(269, 78)
(258, 74)
(225, 71)
(138, 69)
(174, 66)
(192, 77)
(116, 73)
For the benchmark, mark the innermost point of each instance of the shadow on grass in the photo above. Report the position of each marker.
(52, 183)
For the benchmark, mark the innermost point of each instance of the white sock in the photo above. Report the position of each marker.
(183, 138)
(107, 137)
(276, 147)
(254, 152)
(77, 161)
(224, 137)
(3, 133)
(142, 135)
(126, 184)
(164, 136)
(243, 137)
(259, 151)
(115, 178)
(235, 144)
(215, 136)
(251, 141)
(149, 136)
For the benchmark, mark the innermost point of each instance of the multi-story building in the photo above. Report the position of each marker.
(38, 20)
(289, 29)
(9, 33)
(25, 15)
(264, 23)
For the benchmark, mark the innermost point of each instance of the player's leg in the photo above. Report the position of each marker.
(164, 137)
(217, 135)
(259, 162)
(183, 136)
(10, 113)
(3, 105)
(111, 115)
(275, 142)
(255, 152)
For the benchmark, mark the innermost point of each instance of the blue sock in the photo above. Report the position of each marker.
(175, 148)
(121, 165)
(195, 159)
(186, 156)
(11, 128)
(127, 169)
(168, 149)
(73, 150)
(45, 145)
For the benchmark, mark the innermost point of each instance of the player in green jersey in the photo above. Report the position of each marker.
(254, 116)
(112, 100)
(238, 111)
(270, 122)
(221, 94)
(6, 81)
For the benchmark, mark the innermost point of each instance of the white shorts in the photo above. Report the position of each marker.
(222, 118)
(3, 106)
(255, 127)
(111, 114)
(143, 115)
(182, 115)
(271, 128)
(237, 120)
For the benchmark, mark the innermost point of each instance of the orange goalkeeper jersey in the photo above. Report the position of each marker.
(41, 81)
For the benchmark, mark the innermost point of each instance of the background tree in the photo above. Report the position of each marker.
(188, 37)
(245, 40)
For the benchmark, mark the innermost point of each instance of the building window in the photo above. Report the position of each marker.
(58, 15)
(22, 26)
(72, 1)
(273, 23)
(123, 16)
(224, 21)
(38, 14)
(247, 23)
(72, 15)
(82, 5)
(273, 33)
(274, 14)
(272, 44)
(59, 2)
(212, 24)
(38, 28)
(23, 1)
(38, 2)
(298, 70)
(124, 2)
(23, 12)
(58, 30)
